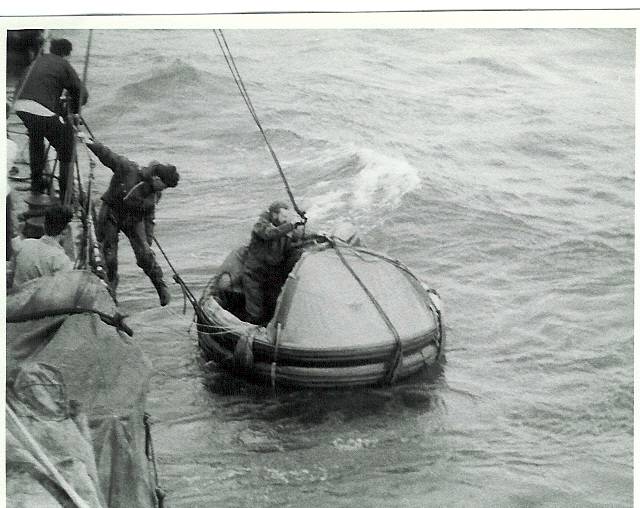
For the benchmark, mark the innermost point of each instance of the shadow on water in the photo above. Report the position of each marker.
(243, 399)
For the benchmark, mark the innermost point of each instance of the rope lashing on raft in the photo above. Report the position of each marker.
(396, 361)
(226, 52)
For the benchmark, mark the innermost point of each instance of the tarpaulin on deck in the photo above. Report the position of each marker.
(77, 387)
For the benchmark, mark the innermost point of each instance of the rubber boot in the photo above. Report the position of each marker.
(163, 292)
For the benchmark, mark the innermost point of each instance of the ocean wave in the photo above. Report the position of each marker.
(558, 145)
(578, 248)
(495, 66)
(364, 183)
(172, 80)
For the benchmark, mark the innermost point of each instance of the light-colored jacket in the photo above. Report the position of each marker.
(38, 257)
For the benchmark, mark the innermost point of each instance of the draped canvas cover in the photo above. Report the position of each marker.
(324, 306)
(77, 387)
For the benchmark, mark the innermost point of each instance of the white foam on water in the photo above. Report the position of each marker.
(320, 206)
(379, 181)
(383, 180)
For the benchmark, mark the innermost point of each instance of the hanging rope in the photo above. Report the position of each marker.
(151, 455)
(85, 71)
(183, 285)
(226, 52)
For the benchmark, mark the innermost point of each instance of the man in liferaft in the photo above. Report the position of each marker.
(129, 206)
(269, 253)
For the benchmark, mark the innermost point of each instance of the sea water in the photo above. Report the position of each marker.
(497, 164)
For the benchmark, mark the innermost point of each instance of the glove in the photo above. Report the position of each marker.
(85, 138)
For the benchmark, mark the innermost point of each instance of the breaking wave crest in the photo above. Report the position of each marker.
(368, 183)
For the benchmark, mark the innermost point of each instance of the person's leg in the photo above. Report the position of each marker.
(107, 232)
(252, 284)
(9, 227)
(35, 126)
(271, 290)
(61, 137)
(135, 230)
(149, 226)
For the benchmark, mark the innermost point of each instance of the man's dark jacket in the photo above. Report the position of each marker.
(49, 76)
(270, 245)
(126, 175)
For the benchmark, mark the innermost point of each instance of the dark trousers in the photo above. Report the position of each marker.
(60, 135)
(9, 229)
(261, 285)
(139, 231)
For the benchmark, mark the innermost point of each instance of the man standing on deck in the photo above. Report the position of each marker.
(129, 206)
(40, 109)
(43, 256)
(268, 254)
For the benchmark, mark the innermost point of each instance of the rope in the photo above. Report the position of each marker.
(226, 52)
(275, 357)
(116, 320)
(40, 454)
(176, 276)
(151, 455)
(395, 363)
(85, 71)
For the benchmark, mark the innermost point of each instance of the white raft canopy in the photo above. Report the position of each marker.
(346, 316)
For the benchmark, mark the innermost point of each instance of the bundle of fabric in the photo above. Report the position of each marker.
(76, 391)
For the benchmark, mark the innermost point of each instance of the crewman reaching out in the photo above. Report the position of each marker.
(129, 206)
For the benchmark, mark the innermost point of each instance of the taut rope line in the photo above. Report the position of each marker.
(226, 52)
(67, 197)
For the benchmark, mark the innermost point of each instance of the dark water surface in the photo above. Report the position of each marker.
(497, 164)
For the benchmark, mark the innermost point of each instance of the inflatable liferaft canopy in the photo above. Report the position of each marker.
(324, 307)
(345, 317)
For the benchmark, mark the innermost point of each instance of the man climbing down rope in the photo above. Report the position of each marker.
(268, 255)
(40, 109)
(129, 206)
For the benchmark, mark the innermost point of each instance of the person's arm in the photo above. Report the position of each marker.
(267, 231)
(117, 163)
